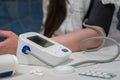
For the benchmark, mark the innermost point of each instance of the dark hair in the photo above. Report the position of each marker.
(57, 12)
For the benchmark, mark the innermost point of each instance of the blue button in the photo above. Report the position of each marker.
(64, 50)
(25, 48)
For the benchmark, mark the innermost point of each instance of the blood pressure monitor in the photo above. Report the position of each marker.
(34, 48)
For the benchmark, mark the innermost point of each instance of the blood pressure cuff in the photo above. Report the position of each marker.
(99, 15)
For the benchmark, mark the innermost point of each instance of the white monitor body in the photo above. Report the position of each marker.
(44, 48)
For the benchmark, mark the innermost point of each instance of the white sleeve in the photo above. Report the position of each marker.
(116, 2)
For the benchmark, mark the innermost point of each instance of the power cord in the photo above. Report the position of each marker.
(100, 61)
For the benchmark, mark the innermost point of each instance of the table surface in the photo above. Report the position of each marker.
(23, 71)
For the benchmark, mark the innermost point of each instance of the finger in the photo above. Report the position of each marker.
(3, 47)
(4, 33)
(3, 42)
(8, 47)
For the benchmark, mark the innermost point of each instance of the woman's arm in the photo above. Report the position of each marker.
(72, 40)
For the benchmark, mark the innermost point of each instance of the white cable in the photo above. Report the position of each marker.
(89, 61)
(97, 29)
(101, 61)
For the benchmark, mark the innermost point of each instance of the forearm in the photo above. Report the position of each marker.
(72, 40)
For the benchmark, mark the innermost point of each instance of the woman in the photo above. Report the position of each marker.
(65, 17)
(63, 21)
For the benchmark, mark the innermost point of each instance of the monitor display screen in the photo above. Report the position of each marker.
(40, 41)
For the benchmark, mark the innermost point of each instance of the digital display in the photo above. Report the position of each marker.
(40, 41)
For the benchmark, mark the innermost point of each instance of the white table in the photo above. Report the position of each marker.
(23, 72)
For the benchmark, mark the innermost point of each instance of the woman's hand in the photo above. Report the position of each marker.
(9, 45)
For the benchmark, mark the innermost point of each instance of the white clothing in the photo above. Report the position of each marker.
(76, 12)
(116, 2)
